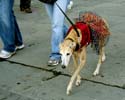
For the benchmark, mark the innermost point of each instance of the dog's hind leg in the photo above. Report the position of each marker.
(77, 71)
(102, 58)
(103, 54)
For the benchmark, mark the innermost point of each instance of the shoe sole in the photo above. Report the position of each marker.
(19, 48)
(53, 64)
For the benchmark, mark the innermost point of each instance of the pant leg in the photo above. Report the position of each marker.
(58, 26)
(18, 36)
(25, 3)
(22, 3)
(28, 3)
(9, 31)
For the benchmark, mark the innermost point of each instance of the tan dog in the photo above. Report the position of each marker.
(71, 46)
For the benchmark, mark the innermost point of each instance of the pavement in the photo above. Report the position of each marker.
(26, 75)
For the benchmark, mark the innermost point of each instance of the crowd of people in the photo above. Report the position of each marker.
(11, 35)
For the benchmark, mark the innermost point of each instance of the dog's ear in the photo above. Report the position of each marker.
(77, 47)
(72, 45)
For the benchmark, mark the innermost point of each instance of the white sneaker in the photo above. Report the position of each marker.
(5, 54)
(70, 5)
(19, 47)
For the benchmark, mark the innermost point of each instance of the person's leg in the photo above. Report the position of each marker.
(22, 5)
(28, 6)
(25, 5)
(65, 30)
(7, 25)
(18, 36)
(9, 32)
(58, 28)
(28, 3)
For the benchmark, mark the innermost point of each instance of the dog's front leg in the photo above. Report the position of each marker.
(75, 60)
(82, 62)
(69, 88)
(77, 71)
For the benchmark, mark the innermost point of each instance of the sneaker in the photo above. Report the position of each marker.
(22, 9)
(5, 54)
(70, 5)
(28, 10)
(19, 47)
(53, 62)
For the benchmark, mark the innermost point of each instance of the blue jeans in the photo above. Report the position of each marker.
(59, 28)
(9, 30)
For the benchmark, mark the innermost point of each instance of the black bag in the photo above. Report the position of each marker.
(48, 1)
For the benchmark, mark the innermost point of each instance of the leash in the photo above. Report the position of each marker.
(69, 20)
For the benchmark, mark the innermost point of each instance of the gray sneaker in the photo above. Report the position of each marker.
(5, 54)
(53, 62)
(19, 47)
(70, 5)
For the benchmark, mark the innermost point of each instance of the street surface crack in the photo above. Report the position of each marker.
(57, 73)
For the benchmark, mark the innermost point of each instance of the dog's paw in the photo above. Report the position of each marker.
(96, 72)
(68, 92)
(69, 89)
(78, 82)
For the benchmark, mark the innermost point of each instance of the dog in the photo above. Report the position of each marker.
(92, 29)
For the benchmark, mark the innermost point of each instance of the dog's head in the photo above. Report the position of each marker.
(66, 50)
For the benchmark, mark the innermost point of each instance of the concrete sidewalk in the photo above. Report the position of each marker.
(26, 76)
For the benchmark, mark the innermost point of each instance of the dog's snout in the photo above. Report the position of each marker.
(63, 66)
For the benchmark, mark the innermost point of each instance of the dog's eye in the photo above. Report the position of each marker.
(68, 54)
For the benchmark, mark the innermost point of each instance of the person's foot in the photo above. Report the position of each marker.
(28, 10)
(70, 5)
(22, 9)
(53, 62)
(5, 54)
(19, 47)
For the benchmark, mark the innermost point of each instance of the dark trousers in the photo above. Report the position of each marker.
(25, 4)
